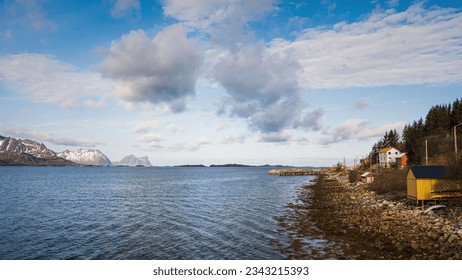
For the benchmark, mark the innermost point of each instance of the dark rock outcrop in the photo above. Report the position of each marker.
(28, 152)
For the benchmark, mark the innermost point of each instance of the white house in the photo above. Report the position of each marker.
(388, 156)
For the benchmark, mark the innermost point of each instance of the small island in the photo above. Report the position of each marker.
(190, 165)
(231, 165)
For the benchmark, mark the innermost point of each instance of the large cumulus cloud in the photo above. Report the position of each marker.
(162, 70)
(261, 84)
(262, 88)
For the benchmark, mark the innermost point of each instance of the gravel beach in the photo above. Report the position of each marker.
(335, 219)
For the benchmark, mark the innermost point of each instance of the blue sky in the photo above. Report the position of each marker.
(204, 82)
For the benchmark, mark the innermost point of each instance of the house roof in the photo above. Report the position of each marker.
(433, 172)
(384, 150)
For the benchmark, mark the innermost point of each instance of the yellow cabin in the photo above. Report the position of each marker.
(421, 182)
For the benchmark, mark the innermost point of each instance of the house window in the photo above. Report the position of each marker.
(389, 153)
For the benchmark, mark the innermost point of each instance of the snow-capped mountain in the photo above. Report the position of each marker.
(131, 160)
(27, 152)
(86, 157)
(19, 146)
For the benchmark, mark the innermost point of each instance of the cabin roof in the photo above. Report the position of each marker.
(365, 174)
(433, 172)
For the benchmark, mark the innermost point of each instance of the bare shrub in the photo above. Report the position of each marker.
(453, 179)
(353, 176)
(454, 172)
(390, 181)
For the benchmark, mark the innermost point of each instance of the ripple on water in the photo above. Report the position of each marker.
(142, 213)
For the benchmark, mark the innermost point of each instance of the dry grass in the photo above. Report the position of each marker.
(390, 181)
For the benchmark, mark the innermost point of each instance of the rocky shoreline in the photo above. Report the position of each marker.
(351, 222)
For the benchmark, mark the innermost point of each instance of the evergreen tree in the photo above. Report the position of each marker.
(438, 119)
(456, 113)
(391, 139)
(436, 129)
(413, 136)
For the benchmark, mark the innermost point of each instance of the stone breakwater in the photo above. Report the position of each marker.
(351, 222)
(294, 172)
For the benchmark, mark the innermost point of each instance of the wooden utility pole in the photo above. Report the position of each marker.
(426, 152)
(455, 141)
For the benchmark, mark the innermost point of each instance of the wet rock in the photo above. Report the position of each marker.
(367, 226)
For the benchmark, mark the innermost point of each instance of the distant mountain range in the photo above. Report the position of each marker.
(32, 153)
(28, 152)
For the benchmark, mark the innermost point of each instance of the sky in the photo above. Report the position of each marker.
(305, 83)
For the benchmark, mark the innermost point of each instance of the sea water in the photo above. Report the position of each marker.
(143, 213)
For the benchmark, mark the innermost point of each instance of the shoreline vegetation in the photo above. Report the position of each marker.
(346, 220)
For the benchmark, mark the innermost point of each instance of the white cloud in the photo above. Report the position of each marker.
(156, 71)
(261, 82)
(311, 120)
(356, 129)
(413, 47)
(173, 128)
(276, 137)
(33, 12)
(393, 3)
(151, 139)
(231, 139)
(262, 87)
(76, 142)
(362, 103)
(224, 20)
(331, 5)
(125, 8)
(96, 103)
(42, 136)
(203, 141)
(145, 127)
(416, 46)
(45, 79)
(182, 146)
(302, 141)
(25, 133)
